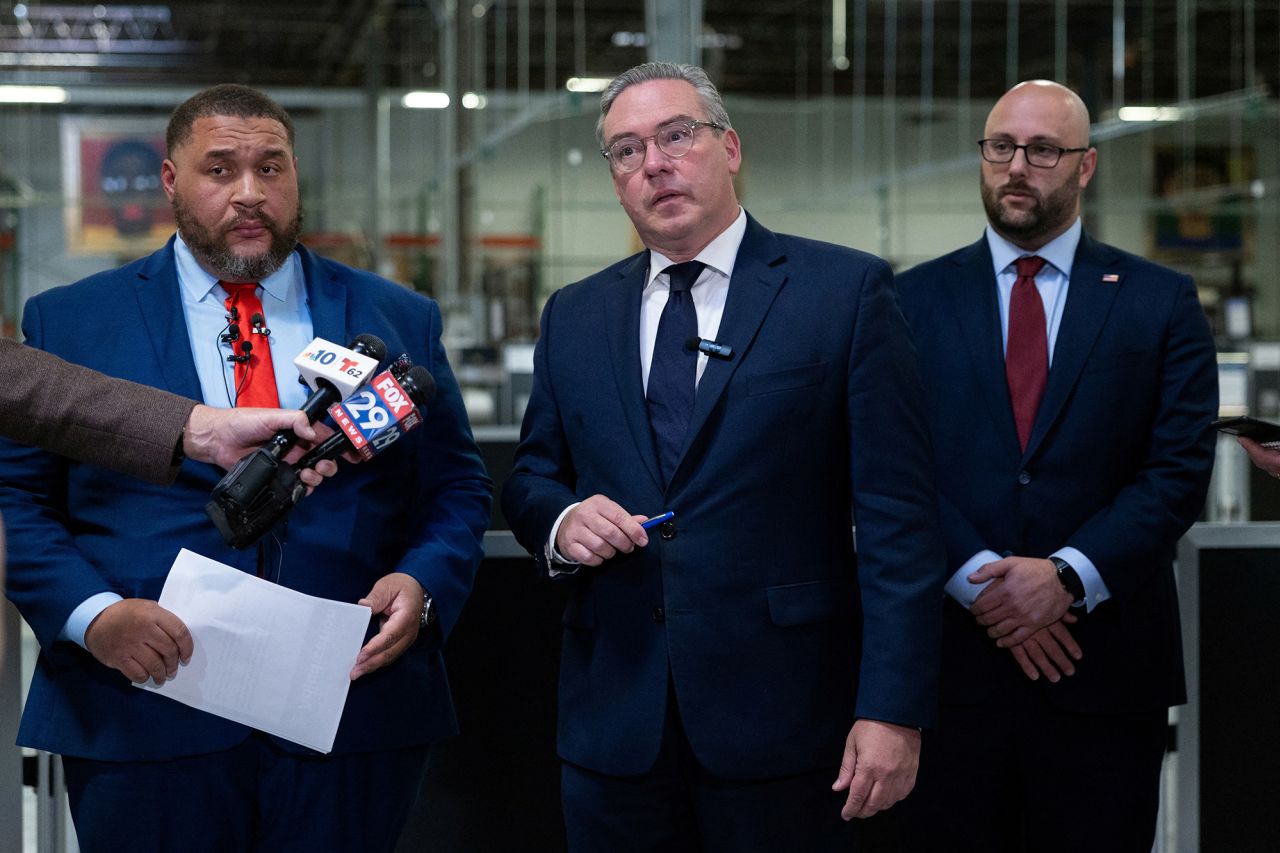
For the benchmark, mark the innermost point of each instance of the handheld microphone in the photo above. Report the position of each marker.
(711, 348)
(260, 490)
(375, 418)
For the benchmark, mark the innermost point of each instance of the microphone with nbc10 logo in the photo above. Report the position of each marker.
(261, 489)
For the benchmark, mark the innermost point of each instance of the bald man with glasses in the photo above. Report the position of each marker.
(1070, 387)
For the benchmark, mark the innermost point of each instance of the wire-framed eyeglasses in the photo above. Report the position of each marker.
(674, 139)
(1039, 154)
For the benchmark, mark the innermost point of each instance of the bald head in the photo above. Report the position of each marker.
(1027, 204)
(1044, 107)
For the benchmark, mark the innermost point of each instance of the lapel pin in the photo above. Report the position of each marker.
(1111, 277)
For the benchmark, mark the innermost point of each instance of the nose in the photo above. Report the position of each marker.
(655, 159)
(1019, 165)
(248, 190)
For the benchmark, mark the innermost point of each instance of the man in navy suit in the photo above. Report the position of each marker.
(1071, 386)
(735, 678)
(89, 551)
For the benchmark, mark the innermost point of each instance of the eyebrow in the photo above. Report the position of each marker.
(218, 153)
(633, 135)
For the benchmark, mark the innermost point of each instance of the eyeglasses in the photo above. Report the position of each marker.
(1039, 154)
(674, 140)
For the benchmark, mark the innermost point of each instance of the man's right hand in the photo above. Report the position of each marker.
(1051, 651)
(139, 638)
(597, 529)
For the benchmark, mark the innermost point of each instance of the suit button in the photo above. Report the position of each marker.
(1024, 477)
(668, 530)
(659, 616)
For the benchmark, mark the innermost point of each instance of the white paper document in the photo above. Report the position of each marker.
(265, 656)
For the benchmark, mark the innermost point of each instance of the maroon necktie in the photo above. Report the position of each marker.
(255, 375)
(1026, 359)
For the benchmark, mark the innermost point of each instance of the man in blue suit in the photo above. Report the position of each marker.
(735, 678)
(1071, 386)
(89, 551)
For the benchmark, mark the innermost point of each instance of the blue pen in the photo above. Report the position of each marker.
(657, 519)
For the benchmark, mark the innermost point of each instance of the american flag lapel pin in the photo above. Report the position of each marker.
(1111, 278)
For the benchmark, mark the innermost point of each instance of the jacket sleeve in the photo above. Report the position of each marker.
(88, 416)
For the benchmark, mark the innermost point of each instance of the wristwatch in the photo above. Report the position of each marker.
(1070, 580)
(428, 616)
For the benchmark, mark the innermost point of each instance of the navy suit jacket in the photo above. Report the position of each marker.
(752, 602)
(76, 529)
(1117, 464)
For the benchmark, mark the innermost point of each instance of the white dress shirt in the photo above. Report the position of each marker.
(709, 293)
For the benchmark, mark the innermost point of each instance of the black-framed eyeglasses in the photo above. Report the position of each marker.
(1039, 154)
(674, 139)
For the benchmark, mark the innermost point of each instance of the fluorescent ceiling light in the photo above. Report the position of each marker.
(33, 95)
(587, 84)
(1149, 114)
(421, 100)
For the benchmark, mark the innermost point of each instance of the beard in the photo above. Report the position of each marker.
(1046, 216)
(214, 253)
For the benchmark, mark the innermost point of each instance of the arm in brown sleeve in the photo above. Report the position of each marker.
(88, 416)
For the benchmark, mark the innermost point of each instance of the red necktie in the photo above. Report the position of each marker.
(1026, 359)
(255, 376)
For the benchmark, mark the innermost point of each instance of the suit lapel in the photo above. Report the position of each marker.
(1089, 300)
(326, 300)
(973, 296)
(758, 276)
(622, 329)
(159, 301)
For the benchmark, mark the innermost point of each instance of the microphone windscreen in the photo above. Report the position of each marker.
(370, 345)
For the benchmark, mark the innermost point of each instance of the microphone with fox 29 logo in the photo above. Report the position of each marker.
(374, 418)
(261, 488)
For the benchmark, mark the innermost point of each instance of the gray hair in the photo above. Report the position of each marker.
(691, 74)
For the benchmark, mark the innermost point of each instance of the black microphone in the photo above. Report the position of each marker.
(259, 325)
(245, 349)
(711, 348)
(325, 395)
(417, 382)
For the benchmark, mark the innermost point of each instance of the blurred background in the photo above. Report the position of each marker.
(450, 146)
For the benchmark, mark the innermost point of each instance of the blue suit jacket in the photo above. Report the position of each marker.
(76, 530)
(1117, 464)
(772, 632)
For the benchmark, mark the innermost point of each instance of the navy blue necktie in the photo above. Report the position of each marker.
(673, 370)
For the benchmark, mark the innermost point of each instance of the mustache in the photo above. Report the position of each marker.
(258, 216)
(1018, 187)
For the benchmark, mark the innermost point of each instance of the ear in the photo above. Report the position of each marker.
(168, 174)
(733, 148)
(1088, 165)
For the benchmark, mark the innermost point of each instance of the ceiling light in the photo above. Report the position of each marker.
(33, 95)
(1149, 114)
(422, 100)
(587, 84)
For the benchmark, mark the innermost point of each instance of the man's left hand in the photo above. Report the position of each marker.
(1026, 597)
(397, 599)
(878, 768)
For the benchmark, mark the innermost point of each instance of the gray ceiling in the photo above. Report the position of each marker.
(907, 48)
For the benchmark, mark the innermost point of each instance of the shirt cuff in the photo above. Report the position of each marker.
(80, 619)
(1095, 588)
(958, 586)
(554, 558)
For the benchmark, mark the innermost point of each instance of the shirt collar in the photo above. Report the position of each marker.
(1060, 252)
(197, 283)
(719, 254)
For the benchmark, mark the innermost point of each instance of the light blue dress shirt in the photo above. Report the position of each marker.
(284, 306)
(1052, 282)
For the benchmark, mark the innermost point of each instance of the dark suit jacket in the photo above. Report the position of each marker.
(753, 603)
(82, 414)
(76, 530)
(1117, 464)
